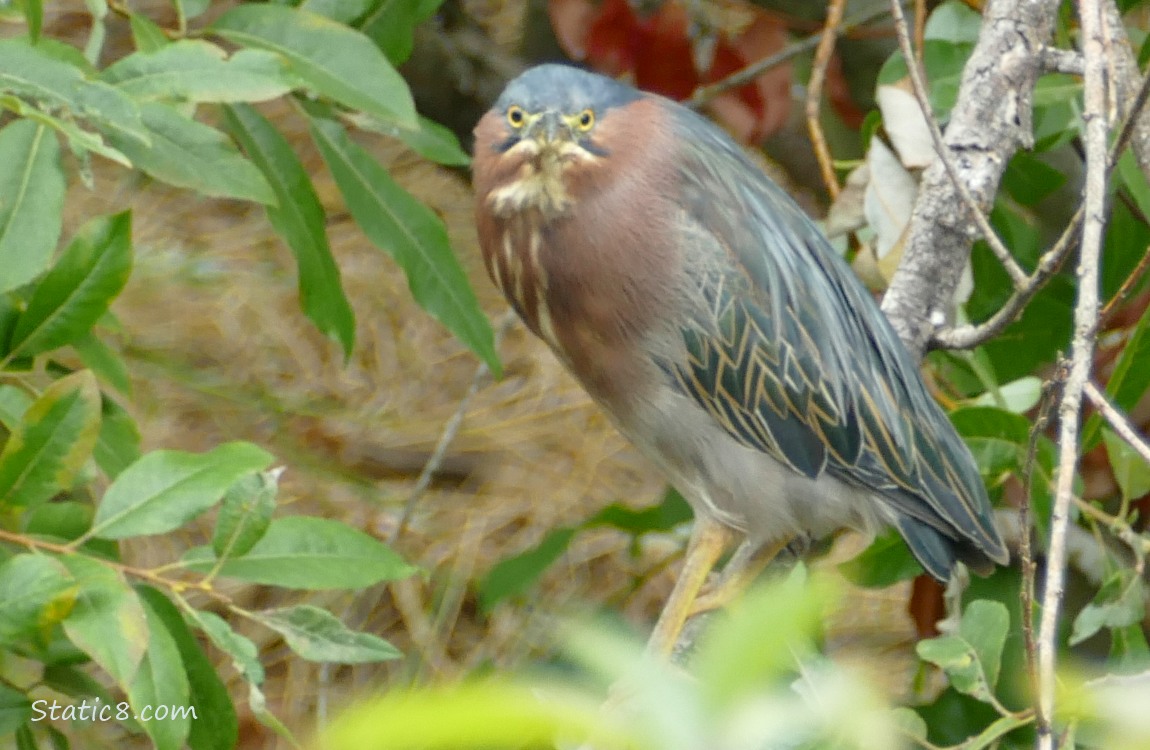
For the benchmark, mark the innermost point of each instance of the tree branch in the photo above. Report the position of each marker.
(1082, 356)
(990, 121)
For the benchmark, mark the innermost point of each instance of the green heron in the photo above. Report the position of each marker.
(708, 316)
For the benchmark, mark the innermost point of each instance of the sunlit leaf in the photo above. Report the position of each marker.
(317, 635)
(31, 201)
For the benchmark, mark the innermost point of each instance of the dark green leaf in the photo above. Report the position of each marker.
(1129, 379)
(411, 233)
(119, 443)
(1120, 603)
(973, 657)
(885, 562)
(216, 726)
(245, 514)
(391, 25)
(162, 683)
(66, 520)
(52, 442)
(107, 621)
(672, 511)
(31, 201)
(514, 575)
(37, 593)
(243, 653)
(79, 288)
(15, 709)
(106, 363)
(317, 635)
(165, 489)
(299, 552)
(39, 74)
(298, 217)
(1129, 468)
(336, 61)
(1028, 179)
(189, 154)
(198, 71)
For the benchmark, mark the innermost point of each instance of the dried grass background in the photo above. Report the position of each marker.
(219, 350)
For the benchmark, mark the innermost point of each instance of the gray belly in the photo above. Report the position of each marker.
(738, 486)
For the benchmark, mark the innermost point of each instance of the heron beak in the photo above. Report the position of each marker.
(549, 128)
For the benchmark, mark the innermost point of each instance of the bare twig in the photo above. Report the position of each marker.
(704, 94)
(1119, 421)
(822, 61)
(1016, 273)
(1068, 61)
(450, 430)
(1050, 390)
(1082, 357)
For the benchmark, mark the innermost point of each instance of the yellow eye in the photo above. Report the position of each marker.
(516, 116)
(586, 120)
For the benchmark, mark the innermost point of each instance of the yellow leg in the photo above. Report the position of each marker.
(707, 543)
(743, 568)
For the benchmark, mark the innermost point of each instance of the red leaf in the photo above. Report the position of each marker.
(664, 62)
(613, 38)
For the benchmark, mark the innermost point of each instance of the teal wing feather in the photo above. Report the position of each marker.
(794, 358)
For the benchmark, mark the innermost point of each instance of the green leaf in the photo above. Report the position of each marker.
(1130, 470)
(36, 74)
(244, 654)
(514, 575)
(245, 514)
(886, 561)
(52, 442)
(161, 684)
(317, 635)
(1119, 603)
(1028, 179)
(973, 657)
(80, 140)
(34, 14)
(15, 709)
(197, 71)
(411, 233)
(329, 57)
(672, 511)
(391, 25)
(31, 201)
(107, 622)
(431, 140)
(216, 726)
(165, 489)
(65, 520)
(1020, 396)
(147, 36)
(298, 217)
(106, 363)
(191, 8)
(119, 443)
(299, 552)
(342, 11)
(37, 593)
(997, 438)
(953, 22)
(13, 403)
(189, 154)
(79, 288)
(1129, 379)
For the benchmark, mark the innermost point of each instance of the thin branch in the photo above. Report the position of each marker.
(1067, 61)
(822, 61)
(1123, 292)
(1119, 421)
(970, 336)
(450, 430)
(704, 94)
(1016, 273)
(1082, 357)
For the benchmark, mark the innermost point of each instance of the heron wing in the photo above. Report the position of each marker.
(794, 358)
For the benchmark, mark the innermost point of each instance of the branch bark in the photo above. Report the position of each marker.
(1082, 355)
(990, 121)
